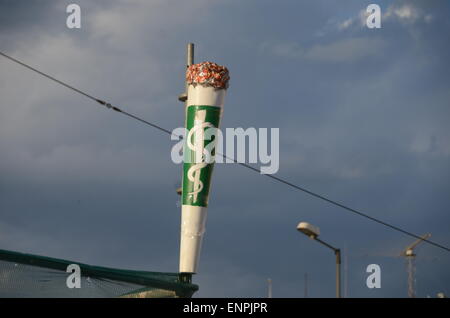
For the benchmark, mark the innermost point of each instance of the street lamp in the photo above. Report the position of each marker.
(313, 232)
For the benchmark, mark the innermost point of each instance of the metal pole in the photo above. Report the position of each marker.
(325, 243)
(190, 54)
(345, 271)
(269, 281)
(337, 252)
(186, 277)
(338, 272)
(189, 62)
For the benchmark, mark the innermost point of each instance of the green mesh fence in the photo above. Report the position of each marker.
(26, 275)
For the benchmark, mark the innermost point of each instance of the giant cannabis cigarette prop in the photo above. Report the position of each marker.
(207, 83)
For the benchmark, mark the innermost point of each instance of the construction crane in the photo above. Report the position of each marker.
(408, 253)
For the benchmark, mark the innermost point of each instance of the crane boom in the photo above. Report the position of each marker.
(413, 245)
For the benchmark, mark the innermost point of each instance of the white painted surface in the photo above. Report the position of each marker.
(200, 95)
(193, 220)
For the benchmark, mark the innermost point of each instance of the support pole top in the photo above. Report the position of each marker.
(189, 62)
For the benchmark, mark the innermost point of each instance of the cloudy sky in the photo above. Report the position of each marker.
(363, 117)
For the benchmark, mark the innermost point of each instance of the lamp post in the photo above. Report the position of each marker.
(313, 233)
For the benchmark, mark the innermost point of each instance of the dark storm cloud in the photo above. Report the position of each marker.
(362, 114)
(19, 15)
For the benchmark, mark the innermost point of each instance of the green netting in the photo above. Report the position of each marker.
(26, 275)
